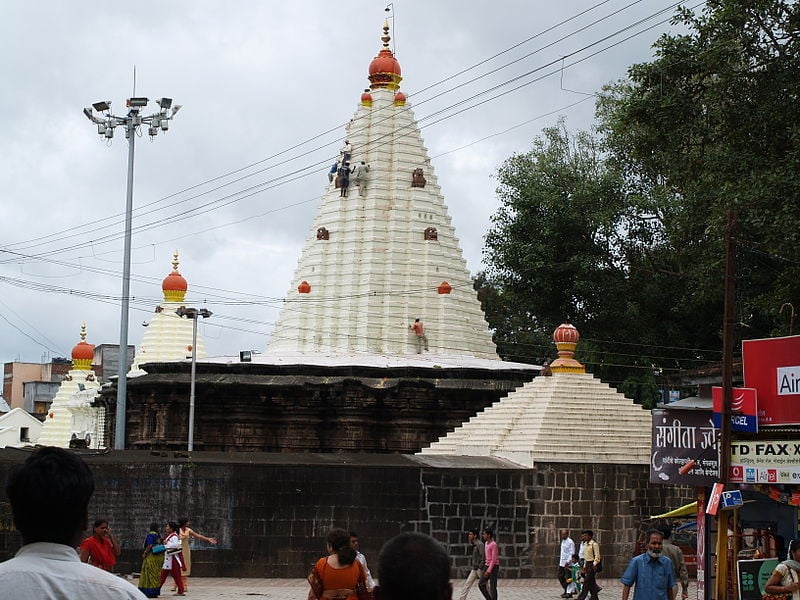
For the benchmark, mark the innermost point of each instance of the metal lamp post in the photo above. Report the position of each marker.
(106, 124)
(192, 313)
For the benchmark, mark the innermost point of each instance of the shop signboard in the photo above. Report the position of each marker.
(765, 461)
(744, 415)
(753, 576)
(680, 436)
(772, 366)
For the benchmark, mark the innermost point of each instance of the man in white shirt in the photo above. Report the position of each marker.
(362, 559)
(49, 495)
(565, 560)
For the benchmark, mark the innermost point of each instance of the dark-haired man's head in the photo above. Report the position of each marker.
(665, 530)
(49, 495)
(413, 565)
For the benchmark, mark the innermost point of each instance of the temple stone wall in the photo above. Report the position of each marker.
(302, 408)
(271, 512)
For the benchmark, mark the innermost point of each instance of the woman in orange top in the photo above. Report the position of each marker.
(100, 549)
(336, 576)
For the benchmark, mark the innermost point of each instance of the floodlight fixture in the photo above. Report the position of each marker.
(192, 313)
(131, 123)
(176, 108)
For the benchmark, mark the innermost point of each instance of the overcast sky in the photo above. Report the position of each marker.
(266, 89)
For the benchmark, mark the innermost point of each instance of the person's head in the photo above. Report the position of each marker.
(413, 565)
(564, 534)
(655, 542)
(794, 550)
(49, 495)
(416, 320)
(154, 527)
(339, 544)
(665, 529)
(171, 526)
(183, 522)
(575, 558)
(473, 535)
(488, 534)
(100, 527)
(586, 535)
(354, 540)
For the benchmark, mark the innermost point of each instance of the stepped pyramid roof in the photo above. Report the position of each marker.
(168, 337)
(568, 417)
(384, 255)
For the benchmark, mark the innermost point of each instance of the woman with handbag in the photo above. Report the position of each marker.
(784, 583)
(338, 576)
(173, 559)
(152, 560)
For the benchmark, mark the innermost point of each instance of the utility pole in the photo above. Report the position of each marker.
(193, 314)
(131, 123)
(724, 462)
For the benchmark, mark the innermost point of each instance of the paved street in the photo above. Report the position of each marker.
(207, 588)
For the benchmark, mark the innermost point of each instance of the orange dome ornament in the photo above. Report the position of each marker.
(82, 353)
(399, 99)
(304, 287)
(444, 288)
(366, 98)
(566, 337)
(384, 70)
(174, 285)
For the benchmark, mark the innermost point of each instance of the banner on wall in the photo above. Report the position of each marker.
(772, 367)
(744, 412)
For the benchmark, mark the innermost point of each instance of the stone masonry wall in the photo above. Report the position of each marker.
(614, 501)
(271, 512)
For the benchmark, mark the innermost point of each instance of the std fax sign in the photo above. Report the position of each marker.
(765, 461)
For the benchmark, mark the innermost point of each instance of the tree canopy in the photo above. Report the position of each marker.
(620, 231)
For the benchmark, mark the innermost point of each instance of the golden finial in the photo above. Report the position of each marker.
(175, 261)
(385, 38)
(83, 331)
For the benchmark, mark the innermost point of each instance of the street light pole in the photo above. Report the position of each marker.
(106, 124)
(192, 313)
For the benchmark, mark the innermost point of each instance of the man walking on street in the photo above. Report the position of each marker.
(477, 563)
(492, 566)
(564, 561)
(591, 562)
(675, 554)
(651, 572)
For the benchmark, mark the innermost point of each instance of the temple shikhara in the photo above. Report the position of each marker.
(382, 250)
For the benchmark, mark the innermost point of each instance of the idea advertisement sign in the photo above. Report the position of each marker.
(744, 416)
(772, 366)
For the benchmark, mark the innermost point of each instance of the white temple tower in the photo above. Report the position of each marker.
(375, 261)
(71, 415)
(168, 336)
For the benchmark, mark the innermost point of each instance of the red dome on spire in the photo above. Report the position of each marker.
(384, 70)
(174, 285)
(83, 352)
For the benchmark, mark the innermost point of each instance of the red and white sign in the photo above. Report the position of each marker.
(714, 498)
(772, 367)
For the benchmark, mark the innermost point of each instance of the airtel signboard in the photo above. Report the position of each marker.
(772, 366)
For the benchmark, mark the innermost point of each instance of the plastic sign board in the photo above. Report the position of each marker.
(713, 499)
(744, 413)
(765, 461)
(772, 366)
(732, 498)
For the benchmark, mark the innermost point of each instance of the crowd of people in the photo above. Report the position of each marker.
(55, 563)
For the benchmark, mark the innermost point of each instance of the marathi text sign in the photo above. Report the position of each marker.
(678, 437)
(765, 461)
(772, 366)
